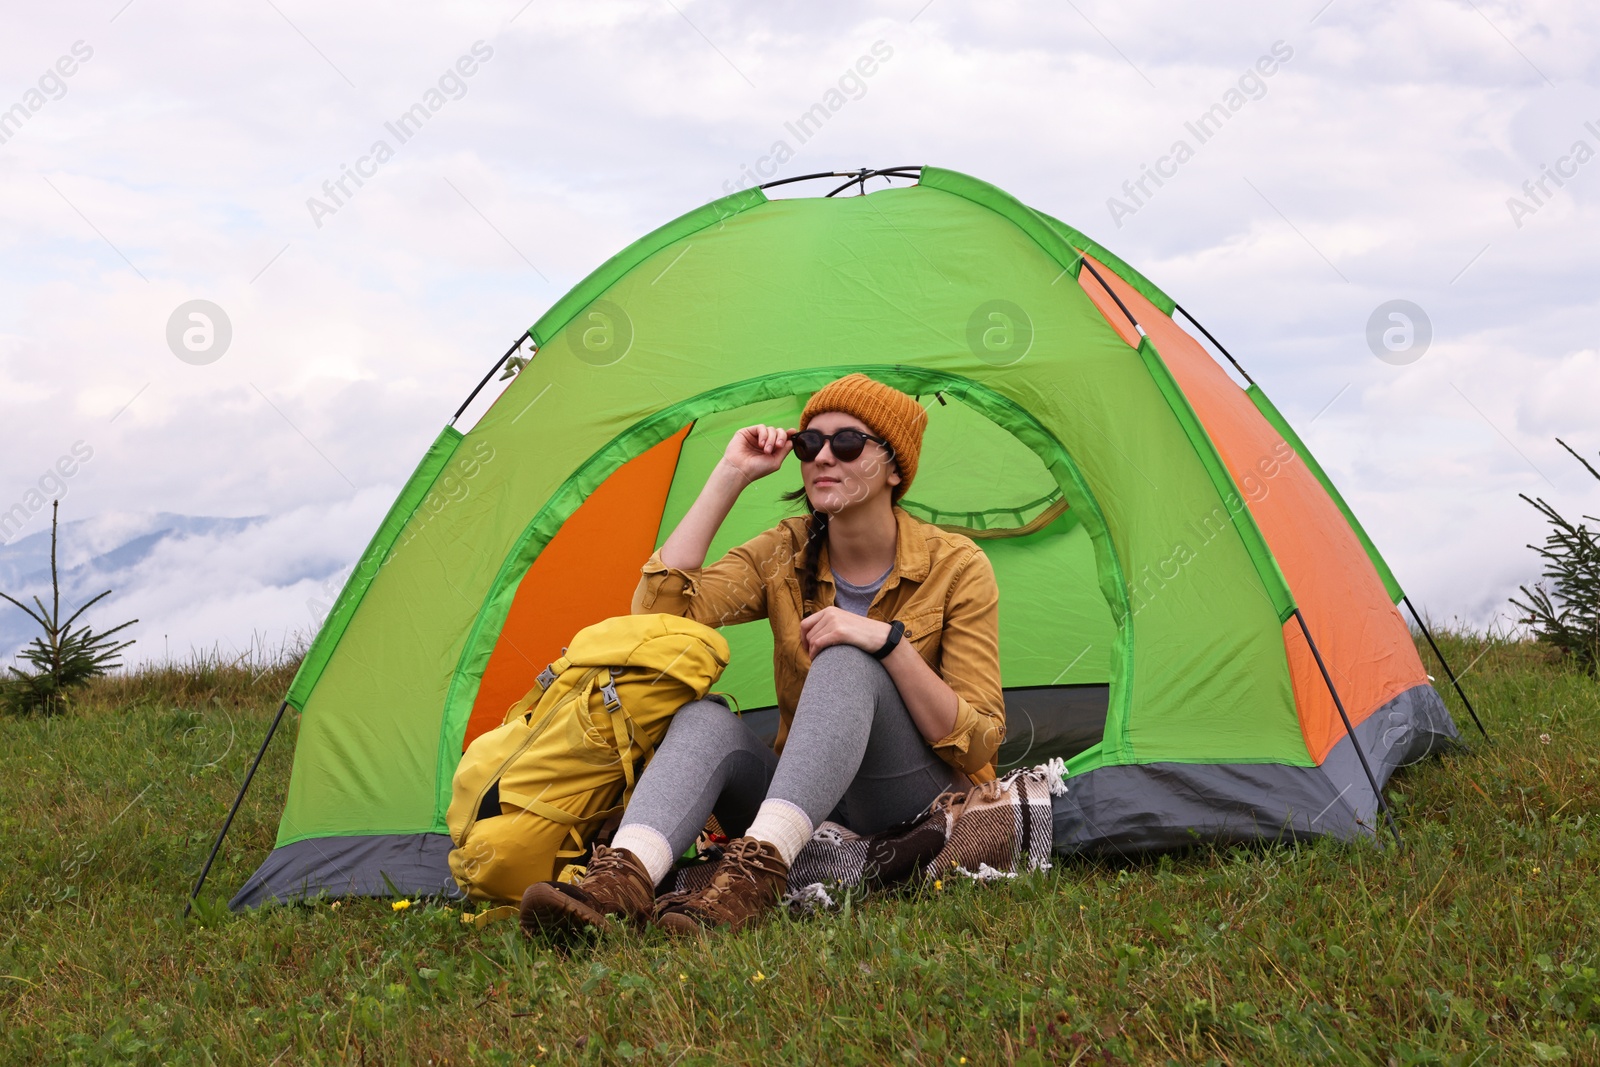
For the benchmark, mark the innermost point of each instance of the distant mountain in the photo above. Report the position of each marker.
(106, 552)
(221, 586)
(26, 561)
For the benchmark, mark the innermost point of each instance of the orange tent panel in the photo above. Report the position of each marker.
(1363, 640)
(587, 573)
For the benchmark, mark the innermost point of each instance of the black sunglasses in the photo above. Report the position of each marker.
(847, 444)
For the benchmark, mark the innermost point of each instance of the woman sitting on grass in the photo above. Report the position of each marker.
(885, 657)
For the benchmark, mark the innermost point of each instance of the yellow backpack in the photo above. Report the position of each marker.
(528, 795)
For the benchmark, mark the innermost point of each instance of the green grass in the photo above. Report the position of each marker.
(1479, 944)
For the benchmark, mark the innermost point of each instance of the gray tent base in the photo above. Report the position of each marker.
(1156, 806)
(1116, 810)
(352, 867)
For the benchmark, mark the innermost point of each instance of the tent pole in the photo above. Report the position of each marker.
(1349, 729)
(806, 178)
(1113, 293)
(911, 171)
(1215, 342)
(1453, 679)
(228, 822)
(855, 176)
(862, 176)
(474, 394)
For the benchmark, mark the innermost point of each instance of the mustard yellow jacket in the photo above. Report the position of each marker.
(942, 587)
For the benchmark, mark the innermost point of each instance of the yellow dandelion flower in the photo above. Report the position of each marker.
(682, 977)
(1536, 870)
(760, 977)
(938, 883)
(962, 1060)
(400, 905)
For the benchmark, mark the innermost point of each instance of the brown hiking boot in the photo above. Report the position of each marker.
(616, 884)
(750, 880)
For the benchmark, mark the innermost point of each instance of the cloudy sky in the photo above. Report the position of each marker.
(1396, 152)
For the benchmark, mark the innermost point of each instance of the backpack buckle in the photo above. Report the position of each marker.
(609, 692)
(546, 676)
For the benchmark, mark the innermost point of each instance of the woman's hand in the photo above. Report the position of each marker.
(836, 626)
(757, 451)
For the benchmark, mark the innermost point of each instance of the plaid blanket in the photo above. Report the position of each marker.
(995, 830)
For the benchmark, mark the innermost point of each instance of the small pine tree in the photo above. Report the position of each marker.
(1567, 614)
(63, 658)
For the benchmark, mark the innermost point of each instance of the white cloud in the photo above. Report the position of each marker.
(193, 137)
(197, 583)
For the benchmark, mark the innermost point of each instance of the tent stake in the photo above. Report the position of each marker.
(1453, 679)
(474, 394)
(1349, 729)
(228, 822)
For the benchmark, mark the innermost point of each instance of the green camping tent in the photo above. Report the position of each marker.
(1189, 612)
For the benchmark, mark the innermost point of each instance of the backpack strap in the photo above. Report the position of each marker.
(623, 734)
(542, 683)
(570, 821)
(583, 692)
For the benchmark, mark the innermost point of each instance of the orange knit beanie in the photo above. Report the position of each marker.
(891, 414)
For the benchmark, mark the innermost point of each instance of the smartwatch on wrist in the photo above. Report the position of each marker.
(897, 630)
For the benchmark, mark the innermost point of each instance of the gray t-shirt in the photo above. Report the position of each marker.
(857, 598)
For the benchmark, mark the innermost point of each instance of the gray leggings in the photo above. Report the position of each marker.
(852, 754)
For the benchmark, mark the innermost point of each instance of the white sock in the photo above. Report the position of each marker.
(782, 825)
(651, 846)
